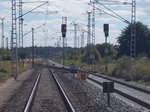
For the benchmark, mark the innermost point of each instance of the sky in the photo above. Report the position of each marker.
(76, 12)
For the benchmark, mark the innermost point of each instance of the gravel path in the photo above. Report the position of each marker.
(17, 101)
(47, 98)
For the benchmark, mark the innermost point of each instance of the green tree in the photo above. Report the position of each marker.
(142, 40)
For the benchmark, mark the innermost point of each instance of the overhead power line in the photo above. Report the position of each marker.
(34, 29)
(32, 9)
(115, 16)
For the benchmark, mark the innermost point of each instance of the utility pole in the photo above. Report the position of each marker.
(32, 47)
(2, 40)
(133, 30)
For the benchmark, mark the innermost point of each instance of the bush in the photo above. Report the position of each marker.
(132, 70)
(122, 68)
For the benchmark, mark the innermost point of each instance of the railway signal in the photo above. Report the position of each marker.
(106, 31)
(63, 31)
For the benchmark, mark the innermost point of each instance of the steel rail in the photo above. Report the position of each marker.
(117, 81)
(64, 96)
(136, 100)
(111, 79)
(28, 105)
(123, 83)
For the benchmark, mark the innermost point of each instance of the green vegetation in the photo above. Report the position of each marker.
(142, 40)
(137, 70)
(143, 83)
(6, 66)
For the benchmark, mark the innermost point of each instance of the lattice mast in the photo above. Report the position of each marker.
(89, 29)
(93, 24)
(14, 42)
(133, 30)
(20, 25)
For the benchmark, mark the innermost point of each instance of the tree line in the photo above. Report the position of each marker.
(114, 51)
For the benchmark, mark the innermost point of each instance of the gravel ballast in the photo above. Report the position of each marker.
(95, 94)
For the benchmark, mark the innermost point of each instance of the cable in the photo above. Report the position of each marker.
(113, 12)
(125, 21)
(32, 10)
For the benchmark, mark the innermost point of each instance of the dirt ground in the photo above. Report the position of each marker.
(8, 87)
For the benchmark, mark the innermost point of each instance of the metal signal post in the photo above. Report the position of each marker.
(63, 31)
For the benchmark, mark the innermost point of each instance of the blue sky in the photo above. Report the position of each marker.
(75, 11)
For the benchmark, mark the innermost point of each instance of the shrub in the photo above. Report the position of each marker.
(122, 68)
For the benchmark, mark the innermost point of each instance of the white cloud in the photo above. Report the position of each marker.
(73, 9)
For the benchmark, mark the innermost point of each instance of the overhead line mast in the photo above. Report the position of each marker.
(89, 29)
(93, 24)
(14, 46)
(133, 30)
(20, 25)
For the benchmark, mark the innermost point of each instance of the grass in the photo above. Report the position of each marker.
(143, 82)
(137, 71)
(6, 69)
(4, 76)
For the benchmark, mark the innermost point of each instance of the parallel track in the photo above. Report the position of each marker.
(62, 92)
(132, 98)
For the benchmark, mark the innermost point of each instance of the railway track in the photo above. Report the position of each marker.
(48, 94)
(132, 92)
